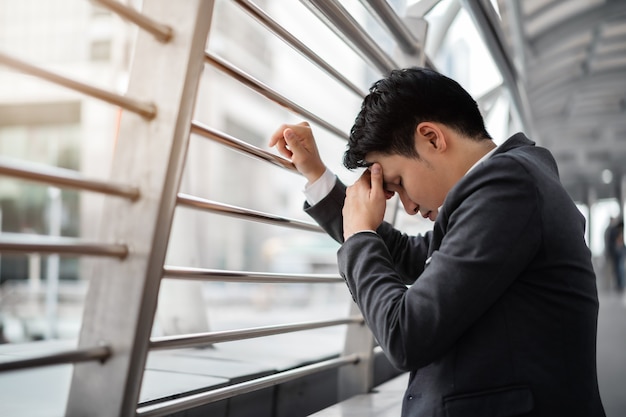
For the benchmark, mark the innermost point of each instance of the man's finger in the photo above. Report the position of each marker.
(277, 136)
(278, 140)
(376, 178)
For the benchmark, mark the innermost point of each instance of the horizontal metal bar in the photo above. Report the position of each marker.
(63, 178)
(346, 27)
(407, 41)
(243, 213)
(241, 146)
(147, 110)
(266, 91)
(28, 243)
(200, 339)
(169, 407)
(296, 44)
(160, 31)
(389, 18)
(181, 272)
(100, 353)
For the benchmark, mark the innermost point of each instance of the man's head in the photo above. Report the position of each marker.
(397, 104)
(424, 130)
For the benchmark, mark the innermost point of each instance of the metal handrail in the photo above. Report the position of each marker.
(346, 27)
(243, 213)
(100, 353)
(149, 273)
(241, 146)
(147, 110)
(160, 31)
(268, 92)
(389, 18)
(29, 243)
(184, 403)
(200, 339)
(203, 274)
(296, 44)
(63, 178)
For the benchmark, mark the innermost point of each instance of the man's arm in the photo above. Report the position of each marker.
(408, 252)
(326, 195)
(296, 142)
(492, 234)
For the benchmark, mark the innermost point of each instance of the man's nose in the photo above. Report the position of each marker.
(409, 205)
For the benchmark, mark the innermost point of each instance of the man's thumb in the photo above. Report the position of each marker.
(376, 173)
(290, 137)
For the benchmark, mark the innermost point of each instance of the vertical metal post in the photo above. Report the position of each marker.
(620, 189)
(52, 273)
(357, 379)
(591, 199)
(122, 296)
(0, 254)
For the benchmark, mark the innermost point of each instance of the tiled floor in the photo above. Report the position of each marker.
(612, 353)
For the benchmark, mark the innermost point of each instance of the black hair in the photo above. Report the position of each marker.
(398, 103)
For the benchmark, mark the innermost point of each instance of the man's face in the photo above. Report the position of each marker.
(415, 180)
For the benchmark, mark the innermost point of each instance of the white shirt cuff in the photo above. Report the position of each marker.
(316, 191)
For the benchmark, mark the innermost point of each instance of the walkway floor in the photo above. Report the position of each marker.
(50, 385)
(612, 353)
(385, 400)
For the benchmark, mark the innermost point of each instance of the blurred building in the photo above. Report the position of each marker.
(45, 124)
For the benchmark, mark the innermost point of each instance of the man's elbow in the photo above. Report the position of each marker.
(407, 358)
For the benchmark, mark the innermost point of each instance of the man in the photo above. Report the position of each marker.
(493, 312)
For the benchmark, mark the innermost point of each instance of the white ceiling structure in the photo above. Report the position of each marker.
(570, 59)
(563, 63)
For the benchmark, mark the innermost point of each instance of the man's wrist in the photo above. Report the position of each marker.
(360, 231)
(314, 176)
(316, 191)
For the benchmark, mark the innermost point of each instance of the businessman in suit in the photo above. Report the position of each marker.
(494, 311)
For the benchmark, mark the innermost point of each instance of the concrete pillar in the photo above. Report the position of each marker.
(590, 200)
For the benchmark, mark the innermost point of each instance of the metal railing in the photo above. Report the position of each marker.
(122, 299)
(180, 404)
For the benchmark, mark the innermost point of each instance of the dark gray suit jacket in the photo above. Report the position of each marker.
(500, 314)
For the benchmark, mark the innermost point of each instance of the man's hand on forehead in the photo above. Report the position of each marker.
(388, 192)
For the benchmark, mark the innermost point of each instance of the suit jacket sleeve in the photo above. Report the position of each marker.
(490, 226)
(407, 252)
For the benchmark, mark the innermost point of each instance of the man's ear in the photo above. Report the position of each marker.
(429, 135)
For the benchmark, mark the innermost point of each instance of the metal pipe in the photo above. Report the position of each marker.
(161, 32)
(296, 44)
(64, 178)
(201, 274)
(122, 299)
(409, 44)
(101, 353)
(200, 339)
(241, 146)
(343, 24)
(169, 407)
(26, 243)
(146, 110)
(266, 91)
(247, 214)
(482, 13)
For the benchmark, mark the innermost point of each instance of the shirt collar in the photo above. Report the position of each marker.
(485, 157)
